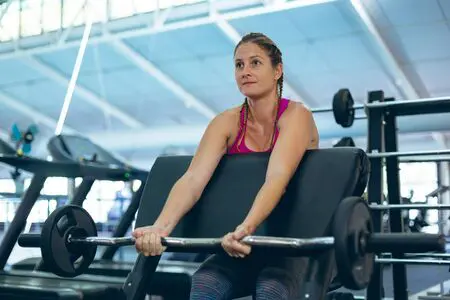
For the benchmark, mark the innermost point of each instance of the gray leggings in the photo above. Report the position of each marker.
(222, 277)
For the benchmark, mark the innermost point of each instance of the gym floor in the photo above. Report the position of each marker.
(421, 279)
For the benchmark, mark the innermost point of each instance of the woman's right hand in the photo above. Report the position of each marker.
(148, 240)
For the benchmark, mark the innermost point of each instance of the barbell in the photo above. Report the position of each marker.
(344, 107)
(69, 241)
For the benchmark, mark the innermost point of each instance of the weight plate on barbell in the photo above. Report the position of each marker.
(352, 227)
(62, 258)
(343, 110)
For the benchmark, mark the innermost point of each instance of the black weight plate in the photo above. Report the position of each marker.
(352, 225)
(343, 108)
(62, 258)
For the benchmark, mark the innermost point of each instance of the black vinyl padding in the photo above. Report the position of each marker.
(323, 179)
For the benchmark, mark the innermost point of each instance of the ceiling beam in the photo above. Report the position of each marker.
(30, 112)
(391, 64)
(156, 28)
(398, 76)
(83, 93)
(148, 67)
(4, 9)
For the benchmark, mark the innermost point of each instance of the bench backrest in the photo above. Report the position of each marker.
(323, 179)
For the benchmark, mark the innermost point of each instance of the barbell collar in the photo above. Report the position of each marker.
(29, 240)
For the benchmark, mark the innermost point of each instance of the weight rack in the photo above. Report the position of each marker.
(382, 139)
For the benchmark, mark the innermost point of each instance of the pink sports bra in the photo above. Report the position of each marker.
(239, 146)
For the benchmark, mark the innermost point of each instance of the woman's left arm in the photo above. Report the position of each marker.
(296, 131)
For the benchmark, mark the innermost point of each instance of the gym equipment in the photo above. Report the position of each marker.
(408, 153)
(408, 206)
(382, 138)
(7, 149)
(343, 107)
(346, 141)
(408, 261)
(41, 170)
(24, 139)
(69, 249)
(220, 209)
(79, 150)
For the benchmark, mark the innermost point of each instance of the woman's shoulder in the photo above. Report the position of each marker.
(295, 108)
(231, 114)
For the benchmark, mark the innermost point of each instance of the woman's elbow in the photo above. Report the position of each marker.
(192, 185)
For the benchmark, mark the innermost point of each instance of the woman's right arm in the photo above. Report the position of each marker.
(188, 189)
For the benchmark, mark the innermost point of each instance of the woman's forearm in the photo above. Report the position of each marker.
(181, 199)
(266, 200)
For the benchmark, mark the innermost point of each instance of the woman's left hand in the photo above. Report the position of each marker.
(232, 244)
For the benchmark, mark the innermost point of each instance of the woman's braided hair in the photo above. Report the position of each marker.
(276, 58)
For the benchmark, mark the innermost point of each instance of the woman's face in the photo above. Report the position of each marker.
(254, 73)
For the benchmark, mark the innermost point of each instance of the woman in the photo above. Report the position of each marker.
(265, 122)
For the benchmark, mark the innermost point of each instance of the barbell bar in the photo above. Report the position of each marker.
(417, 255)
(345, 93)
(69, 234)
(408, 153)
(185, 243)
(411, 261)
(377, 242)
(408, 206)
(411, 102)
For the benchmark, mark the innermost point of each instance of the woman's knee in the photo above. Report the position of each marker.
(210, 284)
(275, 283)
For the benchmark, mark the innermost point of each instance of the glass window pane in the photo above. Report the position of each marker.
(31, 18)
(51, 15)
(121, 9)
(182, 2)
(144, 6)
(9, 25)
(99, 10)
(165, 3)
(73, 13)
(56, 186)
(7, 186)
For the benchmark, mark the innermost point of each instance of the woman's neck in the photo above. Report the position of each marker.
(263, 110)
